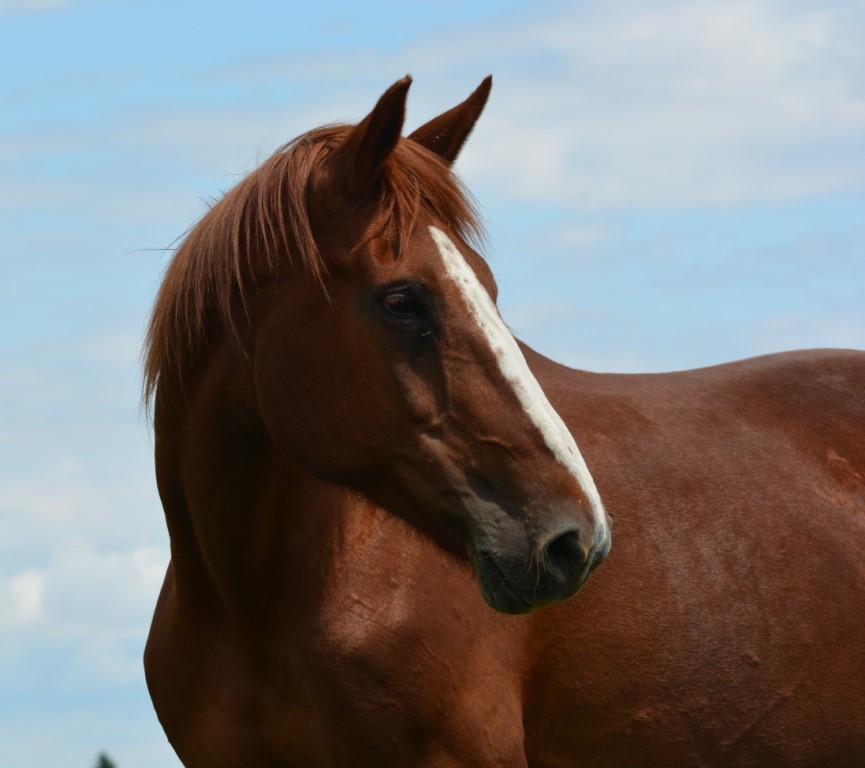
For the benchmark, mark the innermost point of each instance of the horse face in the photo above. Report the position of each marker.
(489, 454)
(404, 383)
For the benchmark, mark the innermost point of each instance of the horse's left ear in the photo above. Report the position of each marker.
(356, 162)
(446, 134)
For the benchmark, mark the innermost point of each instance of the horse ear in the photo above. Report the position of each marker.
(446, 134)
(357, 162)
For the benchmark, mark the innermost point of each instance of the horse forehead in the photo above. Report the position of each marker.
(473, 260)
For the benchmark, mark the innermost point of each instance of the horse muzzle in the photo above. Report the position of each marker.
(551, 570)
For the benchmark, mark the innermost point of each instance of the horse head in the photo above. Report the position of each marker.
(389, 369)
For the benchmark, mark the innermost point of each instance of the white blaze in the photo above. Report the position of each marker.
(516, 372)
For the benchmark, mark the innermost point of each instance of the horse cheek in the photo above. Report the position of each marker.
(295, 389)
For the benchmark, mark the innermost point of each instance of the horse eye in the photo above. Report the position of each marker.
(400, 304)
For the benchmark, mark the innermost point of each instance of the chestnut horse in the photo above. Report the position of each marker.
(378, 503)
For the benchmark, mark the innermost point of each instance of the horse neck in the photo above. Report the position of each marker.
(252, 533)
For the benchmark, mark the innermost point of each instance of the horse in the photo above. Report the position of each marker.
(381, 506)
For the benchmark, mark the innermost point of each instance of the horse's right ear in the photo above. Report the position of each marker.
(355, 164)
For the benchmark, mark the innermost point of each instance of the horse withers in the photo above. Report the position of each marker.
(379, 505)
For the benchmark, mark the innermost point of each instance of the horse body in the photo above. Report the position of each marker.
(320, 608)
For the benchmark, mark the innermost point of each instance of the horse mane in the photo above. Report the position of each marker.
(261, 227)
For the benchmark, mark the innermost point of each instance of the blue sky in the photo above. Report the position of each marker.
(665, 184)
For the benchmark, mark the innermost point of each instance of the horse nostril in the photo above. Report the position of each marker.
(565, 554)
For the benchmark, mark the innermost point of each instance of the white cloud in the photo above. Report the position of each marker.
(89, 592)
(576, 238)
(83, 546)
(96, 604)
(680, 104)
(21, 598)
